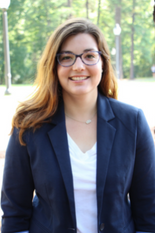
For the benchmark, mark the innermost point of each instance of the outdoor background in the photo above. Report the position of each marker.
(31, 22)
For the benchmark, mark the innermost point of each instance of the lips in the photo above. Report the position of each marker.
(78, 78)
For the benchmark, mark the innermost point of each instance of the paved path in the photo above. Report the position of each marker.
(141, 95)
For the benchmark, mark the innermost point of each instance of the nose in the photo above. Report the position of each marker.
(78, 65)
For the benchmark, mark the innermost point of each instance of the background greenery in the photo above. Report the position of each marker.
(31, 22)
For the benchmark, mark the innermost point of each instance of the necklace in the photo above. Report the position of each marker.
(85, 122)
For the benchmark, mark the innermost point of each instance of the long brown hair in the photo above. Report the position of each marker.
(44, 101)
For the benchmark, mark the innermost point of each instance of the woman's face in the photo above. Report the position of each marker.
(79, 79)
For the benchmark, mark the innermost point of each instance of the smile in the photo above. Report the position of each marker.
(78, 78)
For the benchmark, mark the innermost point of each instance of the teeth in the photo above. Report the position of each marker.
(78, 78)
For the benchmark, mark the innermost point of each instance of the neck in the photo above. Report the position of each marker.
(81, 106)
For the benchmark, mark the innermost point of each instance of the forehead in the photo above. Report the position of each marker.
(79, 43)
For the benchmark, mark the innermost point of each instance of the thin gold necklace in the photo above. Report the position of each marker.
(85, 122)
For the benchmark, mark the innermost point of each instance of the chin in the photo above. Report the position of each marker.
(85, 92)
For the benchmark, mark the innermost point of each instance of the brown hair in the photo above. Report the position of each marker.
(44, 101)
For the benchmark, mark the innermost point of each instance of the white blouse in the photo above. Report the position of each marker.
(84, 181)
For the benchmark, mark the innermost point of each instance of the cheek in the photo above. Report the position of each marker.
(60, 75)
(97, 70)
(62, 72)
(59, 71)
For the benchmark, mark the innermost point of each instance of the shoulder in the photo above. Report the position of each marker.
(121, 109)
(118, 108)
(125, 114)
(31, 135)
(131, 117)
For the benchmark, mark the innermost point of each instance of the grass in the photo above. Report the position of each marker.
(17, 85)
(141, 79)
(148, 79)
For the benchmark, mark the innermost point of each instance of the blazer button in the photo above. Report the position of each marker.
(102, 227)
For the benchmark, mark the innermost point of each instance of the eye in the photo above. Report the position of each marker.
(65, 57)
(89, 56)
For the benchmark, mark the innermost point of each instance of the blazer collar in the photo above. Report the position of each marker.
(58, 138)
(59, 116)
(104, 109)
(105, 138)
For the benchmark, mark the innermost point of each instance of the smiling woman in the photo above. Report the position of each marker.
(82, 74)
(89, 158)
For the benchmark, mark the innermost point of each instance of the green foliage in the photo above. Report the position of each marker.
(31, 22)
(1, 52)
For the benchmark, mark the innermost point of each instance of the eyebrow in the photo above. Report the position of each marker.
(86, 50)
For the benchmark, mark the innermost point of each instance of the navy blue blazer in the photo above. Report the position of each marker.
(125, 170)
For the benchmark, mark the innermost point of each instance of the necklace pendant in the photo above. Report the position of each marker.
(88, 122)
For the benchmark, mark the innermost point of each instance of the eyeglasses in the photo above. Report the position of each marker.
(89, 58)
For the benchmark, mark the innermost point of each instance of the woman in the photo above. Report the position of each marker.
(89, 158)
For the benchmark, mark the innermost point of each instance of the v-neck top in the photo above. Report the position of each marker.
(84, 182)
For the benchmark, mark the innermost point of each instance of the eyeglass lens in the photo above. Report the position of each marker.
(88, 58)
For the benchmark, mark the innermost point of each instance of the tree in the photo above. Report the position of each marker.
(31, 22)
(70, 6)
(98, 16)
(109, 20)
(1, 53)
(118, 20)
(87, 9)
(132, 41)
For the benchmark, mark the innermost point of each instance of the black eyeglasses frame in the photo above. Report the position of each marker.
(76, 56)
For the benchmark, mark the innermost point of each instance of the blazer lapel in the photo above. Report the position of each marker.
(105, 138)
(58, 138)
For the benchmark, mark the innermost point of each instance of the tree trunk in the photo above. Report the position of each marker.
(132, 42)
(98, 16)
(118, 20)
(45, 3)
(87, 9)
(69, 4)
(154, 12)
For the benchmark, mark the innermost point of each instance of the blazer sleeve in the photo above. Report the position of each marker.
(142, 192)
(17, 188)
